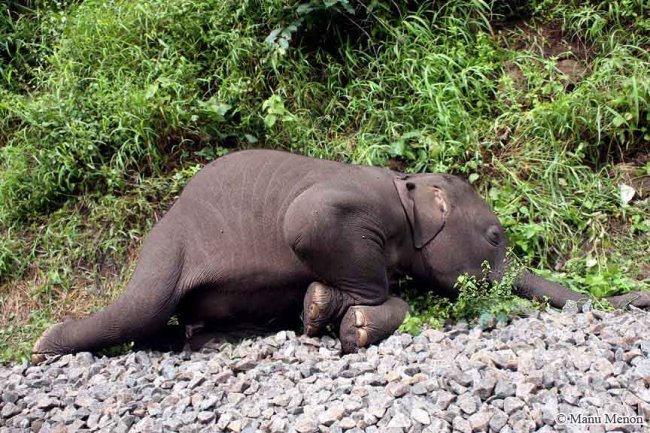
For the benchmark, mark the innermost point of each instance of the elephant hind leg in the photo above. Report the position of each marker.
(143, 310)
(168, 338)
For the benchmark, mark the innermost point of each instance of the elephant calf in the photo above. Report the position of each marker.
(259, 236)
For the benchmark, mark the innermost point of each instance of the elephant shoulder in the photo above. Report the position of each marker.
(319, 214)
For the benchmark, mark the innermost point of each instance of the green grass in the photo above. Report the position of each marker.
(107, 108)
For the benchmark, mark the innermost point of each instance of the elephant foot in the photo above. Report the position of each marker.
(44, 347)
(364, 325)
(637, 299)
(322, 305)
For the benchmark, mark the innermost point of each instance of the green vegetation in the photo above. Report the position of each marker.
(479, 301)
(107, 108)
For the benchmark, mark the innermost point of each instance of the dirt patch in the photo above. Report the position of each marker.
(644, 272)
(571, 72)
(629, 174)
(547, 40)
(397, 164)
(19, 299)
(514, 72)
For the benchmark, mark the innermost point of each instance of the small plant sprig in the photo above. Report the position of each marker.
(426, 311)
(488, 301)
(480, 300)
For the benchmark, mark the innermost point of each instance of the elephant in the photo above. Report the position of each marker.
(258, 237)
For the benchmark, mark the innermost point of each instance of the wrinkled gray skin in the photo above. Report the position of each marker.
(259, 236)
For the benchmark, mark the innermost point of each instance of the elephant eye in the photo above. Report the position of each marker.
(493, 235)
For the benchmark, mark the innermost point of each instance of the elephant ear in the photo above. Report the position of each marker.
(425, 206)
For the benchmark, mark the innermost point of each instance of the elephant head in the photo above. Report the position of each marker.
(453, 229)
(454, 232)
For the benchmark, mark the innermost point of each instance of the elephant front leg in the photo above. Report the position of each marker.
(341, 245)
(364, 325)
(323, 305)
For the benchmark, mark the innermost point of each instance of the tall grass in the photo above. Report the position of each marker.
(107, 108)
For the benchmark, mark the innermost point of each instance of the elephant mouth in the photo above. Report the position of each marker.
(497, 274)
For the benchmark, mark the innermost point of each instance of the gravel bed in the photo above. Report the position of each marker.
(539, 373)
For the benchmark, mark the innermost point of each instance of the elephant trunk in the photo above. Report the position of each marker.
(531, 286)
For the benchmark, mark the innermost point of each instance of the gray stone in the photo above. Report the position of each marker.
(461, 425)
(305, 424)
(603, 367)
(168, 401)
(196, 380)
(9, 410)
(570, 394)
(504, 388)
(480, 420)
(224, 420)
(9, 397)
(245, 364)
(497, 420)
(570, 307)
(419, 389)
(367, 420)
(208, 402)
(397, 389)
(485, 385)
(444, 399)
(347, 423)
(421, 416)
(168, 369)
(512, 404)
(433, 335)
(549, 410)
(128, 420)
(46, 403)
(331, 415)
(524, 390)
(514, 378)
(523, 426)
(278, 425)
(282, 400)
(466, 403)
(223, 376)
(642, 370)
(437, 426)
(459, 377)
(400, 420)
(206, 417)
(235, 426)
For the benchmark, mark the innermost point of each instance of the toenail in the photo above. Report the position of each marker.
(314, 311)
(362, 337)
(359, 319)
